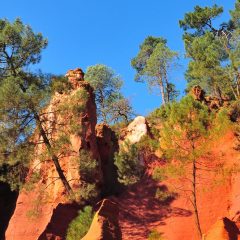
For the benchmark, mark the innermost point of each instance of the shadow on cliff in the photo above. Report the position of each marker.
(8, 201)
(232, 229)
(62, 215)
(141, 210)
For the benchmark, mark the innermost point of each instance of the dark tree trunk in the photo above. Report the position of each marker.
(55, 159)
(194, 200)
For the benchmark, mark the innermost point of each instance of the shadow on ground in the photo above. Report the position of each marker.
(61, 217)
(140, 210)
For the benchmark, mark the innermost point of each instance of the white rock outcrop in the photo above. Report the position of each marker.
(136, 130)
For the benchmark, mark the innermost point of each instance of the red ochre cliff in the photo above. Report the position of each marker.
(44, 212)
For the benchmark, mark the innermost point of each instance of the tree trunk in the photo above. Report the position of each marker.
(162, 90)
(167, 87)
(55, 159)
(238, 85)
(194, 200)
(102, 107)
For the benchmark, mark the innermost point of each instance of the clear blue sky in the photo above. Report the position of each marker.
(86, 32)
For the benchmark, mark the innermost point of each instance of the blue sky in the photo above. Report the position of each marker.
(86, 32)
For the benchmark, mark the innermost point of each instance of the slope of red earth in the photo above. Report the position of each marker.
(140, 211)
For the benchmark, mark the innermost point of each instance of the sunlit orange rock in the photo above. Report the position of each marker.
(105, 224)
(38, 211)
(223, 229)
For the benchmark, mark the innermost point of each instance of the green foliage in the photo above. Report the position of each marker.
(36, 208)
(88, 170)
(164, 195)
(88, 166)
(128, 164)
(73, 108)
(221, 123)
(213, 51)
(24, 44)
(118, 126)
(200, 19)
(235, 14)
(120, 111)
(188, 128)
(111, 105)
(80, 225)
(153, 64)
(146, 49)
(170, 171)
(88, 192)
(22, 94)
(30, 184)
(155, 235)
(14, 175)
(148, 143)
(60, 84)
(186, 125)
(206, 69)
(155, 120)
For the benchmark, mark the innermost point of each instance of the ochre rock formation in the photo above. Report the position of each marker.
(198, 93)
(223, 229)
(212, 102)
(38, 210)
(75, 77)
(105, 224)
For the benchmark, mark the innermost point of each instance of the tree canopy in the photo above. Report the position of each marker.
(153, 65)
(111, 105)
(213, 50)
(23, 95)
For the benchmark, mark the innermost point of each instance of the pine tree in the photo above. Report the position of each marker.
(111, 105)
(183, 137)
(153, 64)
(23, 95)
(213, 51)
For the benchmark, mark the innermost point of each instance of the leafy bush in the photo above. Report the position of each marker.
(170, 170)
(118, 126)
(147, 143)
(88, 191)
(128, 164)
(36, 209)
(14, 175)
(88, 169)
(80, 225)
(155, 235)
(60, 84)
(156, 119)
(164, 195)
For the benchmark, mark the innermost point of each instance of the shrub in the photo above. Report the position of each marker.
(88, 191)
(164, 195)
(88, 169)
(155, 235)
(128, 164)
(60, 84)
(148, 144)
(80, 225)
